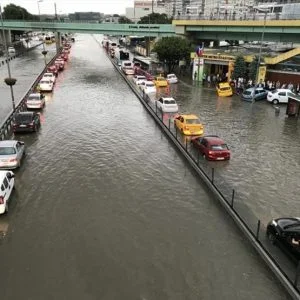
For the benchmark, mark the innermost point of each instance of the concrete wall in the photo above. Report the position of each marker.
(7, 37)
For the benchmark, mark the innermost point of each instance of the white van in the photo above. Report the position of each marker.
(7, 182)
(127, 67)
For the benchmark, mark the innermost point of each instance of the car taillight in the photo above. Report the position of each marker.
(31, 124)
(1, 200)
(186, 128)
(210, 152)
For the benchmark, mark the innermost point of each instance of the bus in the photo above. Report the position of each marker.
(149, 65)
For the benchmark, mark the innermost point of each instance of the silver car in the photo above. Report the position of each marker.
(11, 153)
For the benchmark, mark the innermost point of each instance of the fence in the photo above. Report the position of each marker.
(252, 228)
(5, 127)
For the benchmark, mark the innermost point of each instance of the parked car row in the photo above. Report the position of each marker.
(277, 96)
(12, 152)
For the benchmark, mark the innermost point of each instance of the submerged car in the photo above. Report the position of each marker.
(7, 183)
(167, 105)
(160, 81)
(172, 78)
(147, 87)
(11, 154)
(45, 85)
(212, 147)
(35, 101)
(189, 124)
(53, 69)
(50, 76)
(285, 232)
(26, 121)
(224, 89)
(138, 79)
(254, 94)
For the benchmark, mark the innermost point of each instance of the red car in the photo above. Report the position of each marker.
(60, 64)
(64, 57)
(212, 147)
(52, 69)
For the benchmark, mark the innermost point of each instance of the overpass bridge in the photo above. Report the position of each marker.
(249, 30)
(151, 30)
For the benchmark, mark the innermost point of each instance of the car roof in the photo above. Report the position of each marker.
(252, 89)
(283, 90)
(214, 139)
(191, 116)
(8, 143)
(49, 73)
(171, 74)
(148, 81)
(167, 98)
(224, 84)
(35, 94)
(2, 175)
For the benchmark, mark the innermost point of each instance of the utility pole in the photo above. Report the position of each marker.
(55, 11)
(152, 6)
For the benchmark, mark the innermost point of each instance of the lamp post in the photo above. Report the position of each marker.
(44, 52)
(9, 80)
(259, 54)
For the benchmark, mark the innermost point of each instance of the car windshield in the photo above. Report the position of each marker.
(23, 118)
(45, 82)
(127, 64)
(169, 102)
(225, 88)
(248, 93)
(219, 147)
(150, 84)
(7, 150)
(48, 75)
(34, 97)
(142, 78)
(192, 121)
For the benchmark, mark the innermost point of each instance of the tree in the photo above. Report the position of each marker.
(240, 67)
(124, 20)
(253, 68)
(155, 18)
(172, 49)
(14, 12)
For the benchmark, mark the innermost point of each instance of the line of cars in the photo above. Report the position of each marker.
(211, 147)
(12, 152)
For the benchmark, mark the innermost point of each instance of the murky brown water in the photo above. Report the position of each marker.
(106, 208)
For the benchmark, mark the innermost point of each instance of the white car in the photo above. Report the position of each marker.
(45, 85)
(171, 78)
(279, 96)
(11, 50)
(7, 182)
(138, 79)
(147, 87)
(36, 100)
(49, 76)
(167, 105)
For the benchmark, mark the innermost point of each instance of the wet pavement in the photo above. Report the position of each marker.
(106, 208)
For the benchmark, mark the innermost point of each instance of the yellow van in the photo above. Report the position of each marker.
(224, 89)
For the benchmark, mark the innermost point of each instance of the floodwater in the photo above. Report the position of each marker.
(106, 208)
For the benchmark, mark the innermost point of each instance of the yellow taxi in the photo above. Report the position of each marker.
(189, 124)
(224, 89)
(160, 81)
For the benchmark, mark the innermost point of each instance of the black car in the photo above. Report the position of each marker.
(26, 121)
(286, 233)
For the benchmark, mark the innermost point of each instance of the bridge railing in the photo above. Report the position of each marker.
(235, 17)
(233, 200)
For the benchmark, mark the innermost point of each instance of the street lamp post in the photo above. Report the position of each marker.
(44, 52)
(9, 81)
(259, 54)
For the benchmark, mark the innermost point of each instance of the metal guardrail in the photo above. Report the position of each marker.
(209, 176)
(5, 126)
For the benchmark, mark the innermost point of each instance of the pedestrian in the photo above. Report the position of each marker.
(208, 80)
(195, 75)
(277, 84)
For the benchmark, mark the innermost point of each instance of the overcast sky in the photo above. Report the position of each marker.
(70, 6)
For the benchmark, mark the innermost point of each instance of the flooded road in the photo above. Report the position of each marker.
(106, 208)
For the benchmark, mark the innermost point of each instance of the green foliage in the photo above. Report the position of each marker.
(124, 20)
(240, 67)
(155, 18)
(253, 68)
(172, 49)
(14, 12)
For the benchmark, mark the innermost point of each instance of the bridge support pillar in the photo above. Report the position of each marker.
(7, 35)
(58, 41)
(148, 44)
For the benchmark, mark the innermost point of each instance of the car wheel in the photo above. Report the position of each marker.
(271, 237)
(204, 156)
(35, 128)
(275, 101)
